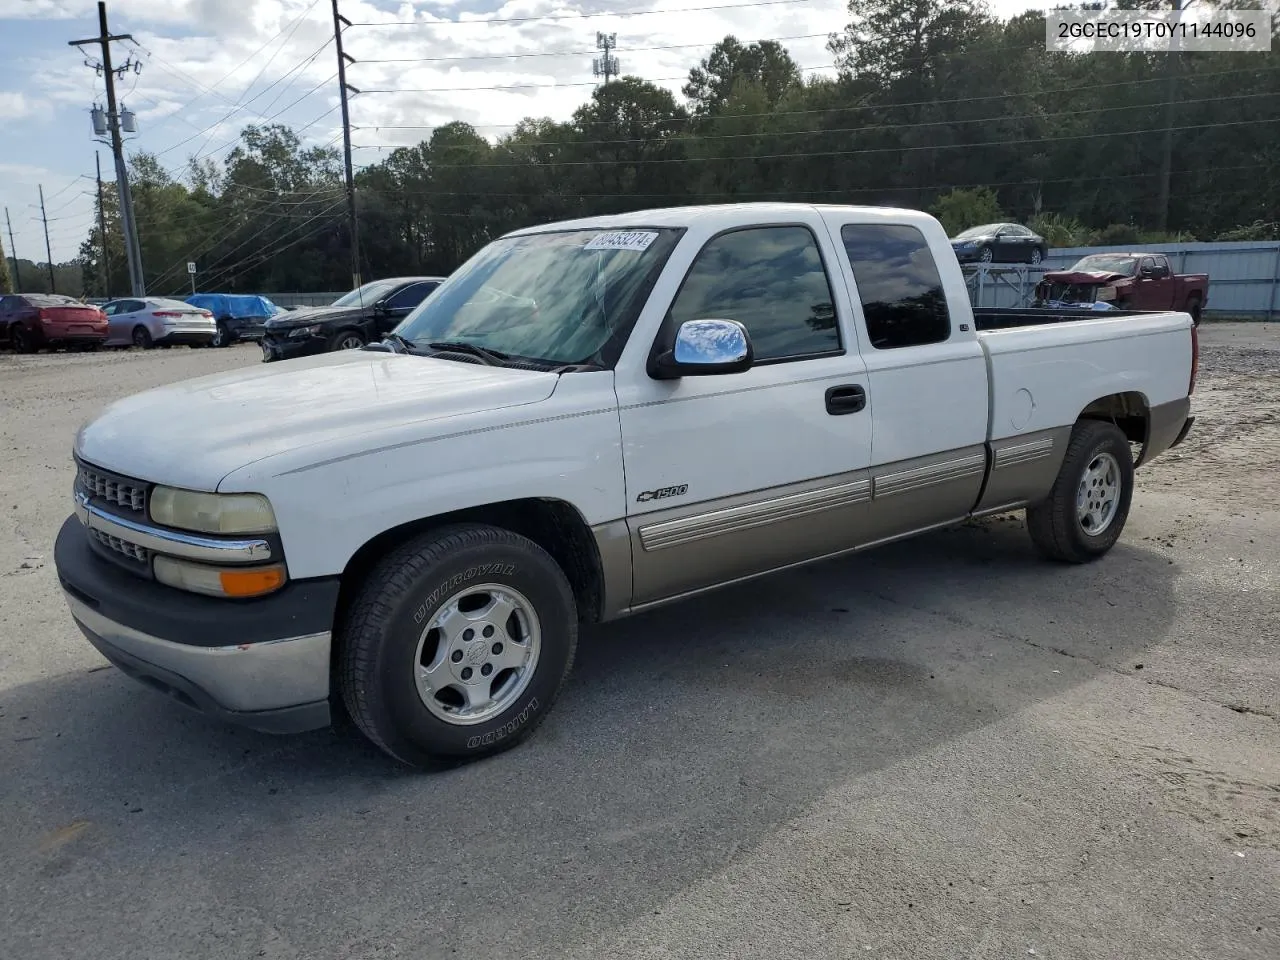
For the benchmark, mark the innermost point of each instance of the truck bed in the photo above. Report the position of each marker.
(1007, 318)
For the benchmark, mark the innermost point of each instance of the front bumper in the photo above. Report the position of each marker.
(287, 348)
(262, 663)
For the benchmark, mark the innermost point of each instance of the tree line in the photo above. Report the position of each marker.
(934, 105)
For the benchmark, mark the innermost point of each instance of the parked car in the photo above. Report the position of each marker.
(1131, 281)
(158, 322)
(238, 316)
(33, 321)
(362, 316)
(999, 243)
(702, 395)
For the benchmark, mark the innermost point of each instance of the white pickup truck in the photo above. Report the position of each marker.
(585, 420)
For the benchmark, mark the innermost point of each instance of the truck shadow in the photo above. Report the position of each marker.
(685, 734)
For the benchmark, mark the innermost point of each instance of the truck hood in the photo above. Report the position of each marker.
(194, 433)
(1083, 276)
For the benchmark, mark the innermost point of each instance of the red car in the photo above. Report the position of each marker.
(1131, 281)
(31, 321)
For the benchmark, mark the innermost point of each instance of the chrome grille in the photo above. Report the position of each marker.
(131, 494)
(130, 550)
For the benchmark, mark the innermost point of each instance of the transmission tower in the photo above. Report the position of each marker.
(606, 65)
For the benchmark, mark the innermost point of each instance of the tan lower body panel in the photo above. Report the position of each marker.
(693, 547)
(1023, 469)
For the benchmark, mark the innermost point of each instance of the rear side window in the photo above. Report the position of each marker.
(898, 284)
(411, 296)
(773, 282)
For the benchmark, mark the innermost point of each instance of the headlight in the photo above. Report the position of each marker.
(242, 582)
(305, 331)
(212, 512)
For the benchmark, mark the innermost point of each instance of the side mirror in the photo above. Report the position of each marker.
(704, 348)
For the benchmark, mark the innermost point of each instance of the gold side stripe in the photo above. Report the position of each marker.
(673, 533)
(908, 481)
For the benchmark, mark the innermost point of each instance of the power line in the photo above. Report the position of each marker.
(584, 53)
(569, 16)
(1025, 181)
(549, 86)
(855, 108)
(764, 134)
(226, 76)
(842, 153)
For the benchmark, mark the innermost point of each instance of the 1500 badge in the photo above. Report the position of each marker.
(662, 493)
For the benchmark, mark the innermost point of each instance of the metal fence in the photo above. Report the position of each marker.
(1244, 278)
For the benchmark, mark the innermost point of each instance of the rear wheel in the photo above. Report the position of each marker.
(346, 340)
(1036, 257)
(1086, 510)
(1194, 307)
(20, 339)
(457, 645)
(142, 338)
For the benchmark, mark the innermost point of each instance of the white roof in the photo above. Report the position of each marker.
(716, 217)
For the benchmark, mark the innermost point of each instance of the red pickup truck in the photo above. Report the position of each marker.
(1130, 281)
(30, 321)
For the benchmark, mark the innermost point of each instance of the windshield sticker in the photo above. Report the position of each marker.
(622, 240)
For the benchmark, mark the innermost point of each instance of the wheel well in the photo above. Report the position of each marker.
(554, 525)
(1128, 411)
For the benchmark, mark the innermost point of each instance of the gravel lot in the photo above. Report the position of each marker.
(942, 749)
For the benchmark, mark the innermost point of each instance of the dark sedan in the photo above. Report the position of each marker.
(999, 243)
(365, 314)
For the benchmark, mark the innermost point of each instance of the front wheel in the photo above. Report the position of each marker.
(221, 336)
(1086, 510)
(346, 340)
(457, 645)
(985, 255)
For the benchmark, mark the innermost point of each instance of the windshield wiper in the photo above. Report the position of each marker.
(406, 345)
(491, 358)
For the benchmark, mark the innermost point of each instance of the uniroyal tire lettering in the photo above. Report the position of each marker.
(457, 580)
(506, 730)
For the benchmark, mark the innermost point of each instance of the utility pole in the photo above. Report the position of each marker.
(132, 250)
(13, 251)
(1173, 63)
(605, 66)
(102, 230)
(47, 251)
(343, 87)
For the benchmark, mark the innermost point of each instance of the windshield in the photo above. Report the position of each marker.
(983, 231)
(366, 295)
(1107, 263)
(560, 298)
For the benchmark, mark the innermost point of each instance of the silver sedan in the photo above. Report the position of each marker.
(157, 321)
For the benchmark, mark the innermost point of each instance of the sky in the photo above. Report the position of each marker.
(206, 68)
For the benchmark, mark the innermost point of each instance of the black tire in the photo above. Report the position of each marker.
(141, 338)
(346, 340)
(222, 338)
(20, 339)
(986, 255)
(1194, 308)
(379, 640)
(1037, 257)
(1054, 524)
